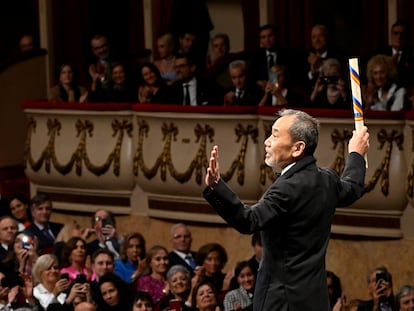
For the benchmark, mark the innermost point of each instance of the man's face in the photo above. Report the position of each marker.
(103, 263)
(267, 39)
(26, 43)
(219, 47)
(41, 213)
(187, 42)
(181, 240)
(407, 302)
(100, 47)
(398, 37)
(318, 38)
(238, 77)
(183, 69)
(118, 75)
(279, 145)
(8, 230)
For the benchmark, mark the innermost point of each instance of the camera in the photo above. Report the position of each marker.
(329, 79)
(80, 279)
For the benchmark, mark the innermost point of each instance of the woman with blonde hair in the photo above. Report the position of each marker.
(166, 60)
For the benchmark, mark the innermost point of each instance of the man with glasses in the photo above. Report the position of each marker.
(181, 254)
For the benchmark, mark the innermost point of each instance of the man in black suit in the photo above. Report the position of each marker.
(8, 230)
(190, 90)
(42, 228)
(295, 214)
(181, 254)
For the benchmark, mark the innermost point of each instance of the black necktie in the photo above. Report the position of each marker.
(47, 235)
(271, 60)
(187, 101)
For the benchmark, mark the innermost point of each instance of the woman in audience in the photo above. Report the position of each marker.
(330, 90)
(19, 208)
(51, 288)
(115, 294)
(142, 302)
(242, 297)
(211, 259)
(75, 261)
(382, 91)
(151, 87)
(205, 298)
(179, 284)
(67, 90)
(155, 283)
(120, 89)
(166, 61)
(132, 263)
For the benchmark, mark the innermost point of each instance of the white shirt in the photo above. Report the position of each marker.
(192, 87)
(398, 101)
(45, 297)
(183, 255)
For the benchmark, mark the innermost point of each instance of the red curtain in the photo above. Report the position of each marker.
(251, 23)
(162, 10)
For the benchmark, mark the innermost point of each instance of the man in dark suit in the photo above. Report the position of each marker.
(190, 90)
(42, 228)
(295, 214)
(181, 254)
(8, 230)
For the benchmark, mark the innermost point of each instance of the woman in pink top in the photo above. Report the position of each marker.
(75, 261)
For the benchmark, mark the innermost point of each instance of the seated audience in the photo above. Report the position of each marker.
(205, 297)
(380, 289)
(155, 282)
(242, 93)
(212, 258)
(382, 91)
(118, 90)
(181, 254)
(75, 261)
(334, 288)
(151, 87)
(219, 49)
(42, 228)
(115, 293)
(330, 90)
(14, 296)
(132, 262)
(67, 90)
(242, 297)
(405, 298)
(189, 90)
(19, 208)
(166, 61)
(142, 302)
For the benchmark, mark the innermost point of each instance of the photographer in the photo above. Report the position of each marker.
(330, 90)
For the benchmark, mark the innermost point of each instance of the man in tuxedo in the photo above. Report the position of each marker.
(8, 230)
(42, 228)
(190, 90)
(181, 254)
(294, 216)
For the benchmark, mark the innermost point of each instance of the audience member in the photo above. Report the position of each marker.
(151, 86)
(102, 69)
(405, 298)
(142, 302)
(19, 208)
(181, 254)
(186, 41)
(155, 282)
(26, 43)
(115, 293)
(212, 257)
(8, 230)
(254, 261)
(102, 263)
(243, 93)
(85, 306)
(132, 262)
(334, 288)
(219, 49)
(380, 289)
(75, 261)
(103, 222)
(22, 257)
(67, 90)
(382, 91)
(119, 88)
(267, 56)
(166, 61)
(17, 296)
(189, 90)
(42, 228)
(241, 298)
(330, 90)
(205, 297)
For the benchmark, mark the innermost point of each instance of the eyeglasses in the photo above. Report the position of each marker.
(179, 236)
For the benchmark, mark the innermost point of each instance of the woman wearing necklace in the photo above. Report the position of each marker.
(166, 61)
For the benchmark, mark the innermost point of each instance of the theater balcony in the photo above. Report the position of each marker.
(151, 159)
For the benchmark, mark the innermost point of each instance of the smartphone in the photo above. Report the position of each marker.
(381, 276)
(80, 279)
(64, 276)
(106, 221)
(175, 305)
(27, 242)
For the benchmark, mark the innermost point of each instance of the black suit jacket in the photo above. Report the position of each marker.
(45, 246)
(258, 67)
(294, 217)
(3, 253)
(174, 259)
(252, 95)
(208, 93)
